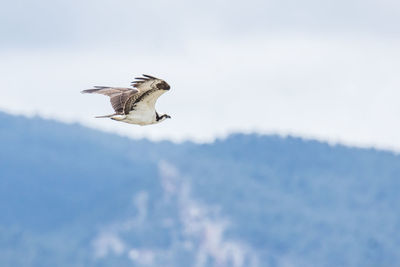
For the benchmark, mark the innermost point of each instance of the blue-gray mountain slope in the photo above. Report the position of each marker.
(289, 200)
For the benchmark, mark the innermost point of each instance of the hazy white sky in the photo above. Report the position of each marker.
(320, 69)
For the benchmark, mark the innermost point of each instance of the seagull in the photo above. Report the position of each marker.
(135, 105)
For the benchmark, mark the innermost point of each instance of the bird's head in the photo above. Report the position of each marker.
(162, 85)
(163, 117)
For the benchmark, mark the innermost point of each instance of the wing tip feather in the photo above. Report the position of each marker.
(148, 76)
(89, 91)
(140, 80)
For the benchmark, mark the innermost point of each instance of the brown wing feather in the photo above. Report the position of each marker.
(118, 95)
(131, 101)
(144, 83)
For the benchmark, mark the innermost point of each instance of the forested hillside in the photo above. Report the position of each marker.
(72, 196)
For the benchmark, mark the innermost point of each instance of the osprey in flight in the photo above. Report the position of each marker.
(135, 105)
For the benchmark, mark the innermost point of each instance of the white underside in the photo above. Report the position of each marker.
(138, 117)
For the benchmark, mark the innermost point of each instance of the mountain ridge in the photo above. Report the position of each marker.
(281, 200)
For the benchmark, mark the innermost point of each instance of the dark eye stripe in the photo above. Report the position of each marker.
(163, 85)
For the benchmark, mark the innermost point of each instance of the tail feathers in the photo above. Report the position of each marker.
(106, 116)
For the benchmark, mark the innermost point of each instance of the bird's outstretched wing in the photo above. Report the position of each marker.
(150, 89)
(118, 95)
(144, 101)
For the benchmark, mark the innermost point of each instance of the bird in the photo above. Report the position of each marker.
(135, 105)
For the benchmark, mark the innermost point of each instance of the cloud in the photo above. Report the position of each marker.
(159, 24)
(329, 89)
(324, 70)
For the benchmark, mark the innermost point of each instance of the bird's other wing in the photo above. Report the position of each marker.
(118, 95)
(145, 83)
(145, 101)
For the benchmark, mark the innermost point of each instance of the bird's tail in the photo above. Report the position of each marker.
(106, 116)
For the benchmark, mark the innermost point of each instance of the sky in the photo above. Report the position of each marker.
(318, 69)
